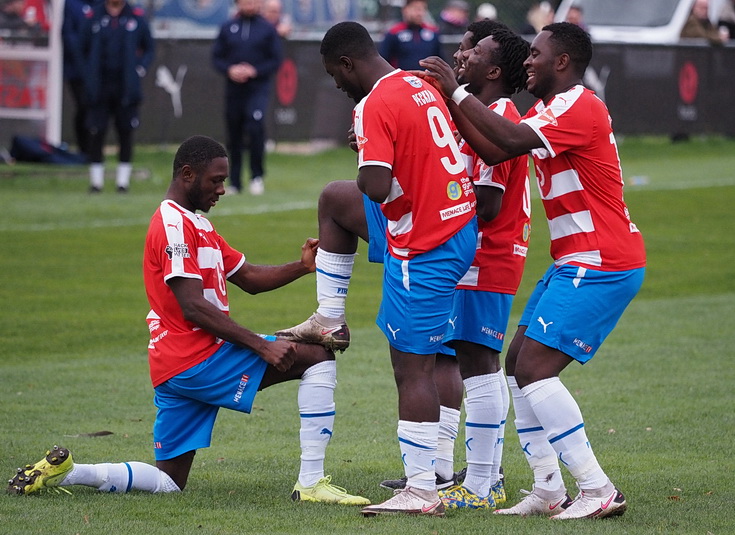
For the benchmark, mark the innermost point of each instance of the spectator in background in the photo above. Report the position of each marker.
(575, 15)
(12, 18)
(486, 11)
(412, 39)
(75, 14)
(118, 48)
(35, 13)
(273, 12)
(538, 16)
(727, 18)
(454, 18)
(699, 26)
(248, 51)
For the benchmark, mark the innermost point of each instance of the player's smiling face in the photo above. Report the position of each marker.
(477, 64)
(540, 66)
(344, 76)
(464, 44)
(208, 185)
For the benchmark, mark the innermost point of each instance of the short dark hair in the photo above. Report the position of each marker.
(197, 152)
(568, 38)
(511, 53)
(347, 39)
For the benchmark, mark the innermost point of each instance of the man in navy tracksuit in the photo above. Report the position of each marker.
(118, 48)
(248, 52)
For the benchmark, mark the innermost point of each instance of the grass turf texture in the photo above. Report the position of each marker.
(657, 399)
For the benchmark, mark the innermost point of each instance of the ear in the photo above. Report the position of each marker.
(493, 73)
(563, 61)
(187, 174)
(346, 63)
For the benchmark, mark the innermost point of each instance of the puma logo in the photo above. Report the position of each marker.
(544, 324)
(166, 81)
(392, 332)
(451, 322)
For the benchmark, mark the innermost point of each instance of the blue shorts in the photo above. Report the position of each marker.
(573, 309)
(479, 317)
(377, 224)
(188, 402)
(418, 293)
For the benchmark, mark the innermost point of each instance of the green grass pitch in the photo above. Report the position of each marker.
(657, 399)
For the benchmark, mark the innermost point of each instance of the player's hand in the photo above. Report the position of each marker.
(352, 139)
(281, 354)
(439, 74)
(308, 254)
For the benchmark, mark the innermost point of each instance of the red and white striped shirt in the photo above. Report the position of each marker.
(404, 125)
(502, 243)
(581, 184)
(181, 243)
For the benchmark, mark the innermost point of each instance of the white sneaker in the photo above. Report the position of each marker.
(317, 329)
(409, 501)
(256, 186)
(539, 502)
(586, 506)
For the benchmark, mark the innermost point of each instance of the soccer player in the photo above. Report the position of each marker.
(489, 60)
(598, 263)
(409, 162)
(201, 359)
(492, 69)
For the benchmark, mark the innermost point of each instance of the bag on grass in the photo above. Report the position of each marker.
(34, 149)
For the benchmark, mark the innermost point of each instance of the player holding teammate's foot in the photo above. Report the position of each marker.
(200, 359)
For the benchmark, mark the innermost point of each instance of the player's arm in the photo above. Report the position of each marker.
(205, 315)
(375, 181)
(254, 278)
(489, 202)
(513, 139)
(490, 153)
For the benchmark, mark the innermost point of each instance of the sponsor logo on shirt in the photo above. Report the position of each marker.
(180, 250)
(520, 250)
(526, 232)
(454, 190)
(455, 211)
(437, 338)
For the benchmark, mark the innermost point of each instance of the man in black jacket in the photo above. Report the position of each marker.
(118, 48)
(248, 52)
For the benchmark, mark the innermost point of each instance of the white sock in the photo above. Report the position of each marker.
(448, 430)
(483, 406)
(418, 452)
(124, 169)
(559, 414)
(333, 272)
(317, 410)
(121, 477)
(540, 455)
(97, 175)
(500, 443)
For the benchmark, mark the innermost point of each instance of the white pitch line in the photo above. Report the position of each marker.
(116, 223)
(306, 205)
